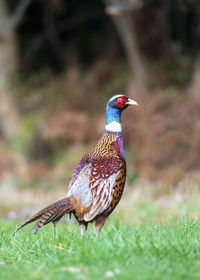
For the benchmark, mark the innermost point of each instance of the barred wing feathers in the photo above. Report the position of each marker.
(103, 175)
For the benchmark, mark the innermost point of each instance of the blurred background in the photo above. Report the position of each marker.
(61, 61)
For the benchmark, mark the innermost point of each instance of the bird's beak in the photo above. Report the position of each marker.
(131, 102)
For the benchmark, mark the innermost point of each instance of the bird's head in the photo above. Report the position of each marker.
(120, 102)
(113, 112)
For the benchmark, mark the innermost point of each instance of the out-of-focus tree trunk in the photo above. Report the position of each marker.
(121, 13)
(8, 66)
(126, 30)
(195, 85)
(9, 115)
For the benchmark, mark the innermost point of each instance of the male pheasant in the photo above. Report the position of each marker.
(98, 180)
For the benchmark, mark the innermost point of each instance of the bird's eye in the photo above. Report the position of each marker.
(119, 100)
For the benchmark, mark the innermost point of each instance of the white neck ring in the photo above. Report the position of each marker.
(114, 127)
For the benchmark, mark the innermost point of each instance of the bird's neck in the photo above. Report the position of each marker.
(113, 120)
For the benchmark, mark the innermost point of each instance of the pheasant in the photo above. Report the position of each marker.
(98, 180)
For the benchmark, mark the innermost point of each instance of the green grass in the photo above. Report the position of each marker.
(170, 251)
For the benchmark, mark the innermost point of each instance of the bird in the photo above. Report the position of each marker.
(98, 180)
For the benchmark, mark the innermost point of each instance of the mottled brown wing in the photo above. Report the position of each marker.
(103, 175)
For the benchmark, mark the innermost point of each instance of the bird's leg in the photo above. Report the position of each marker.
(100, 221)
(83, 228)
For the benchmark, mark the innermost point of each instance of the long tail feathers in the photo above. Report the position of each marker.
(52, 213)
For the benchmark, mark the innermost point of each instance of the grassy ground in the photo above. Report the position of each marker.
(169, 251)
(147, 237)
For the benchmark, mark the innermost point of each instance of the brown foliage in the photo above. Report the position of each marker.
(164, 134)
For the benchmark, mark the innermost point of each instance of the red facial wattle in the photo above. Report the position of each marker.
(120, 102)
